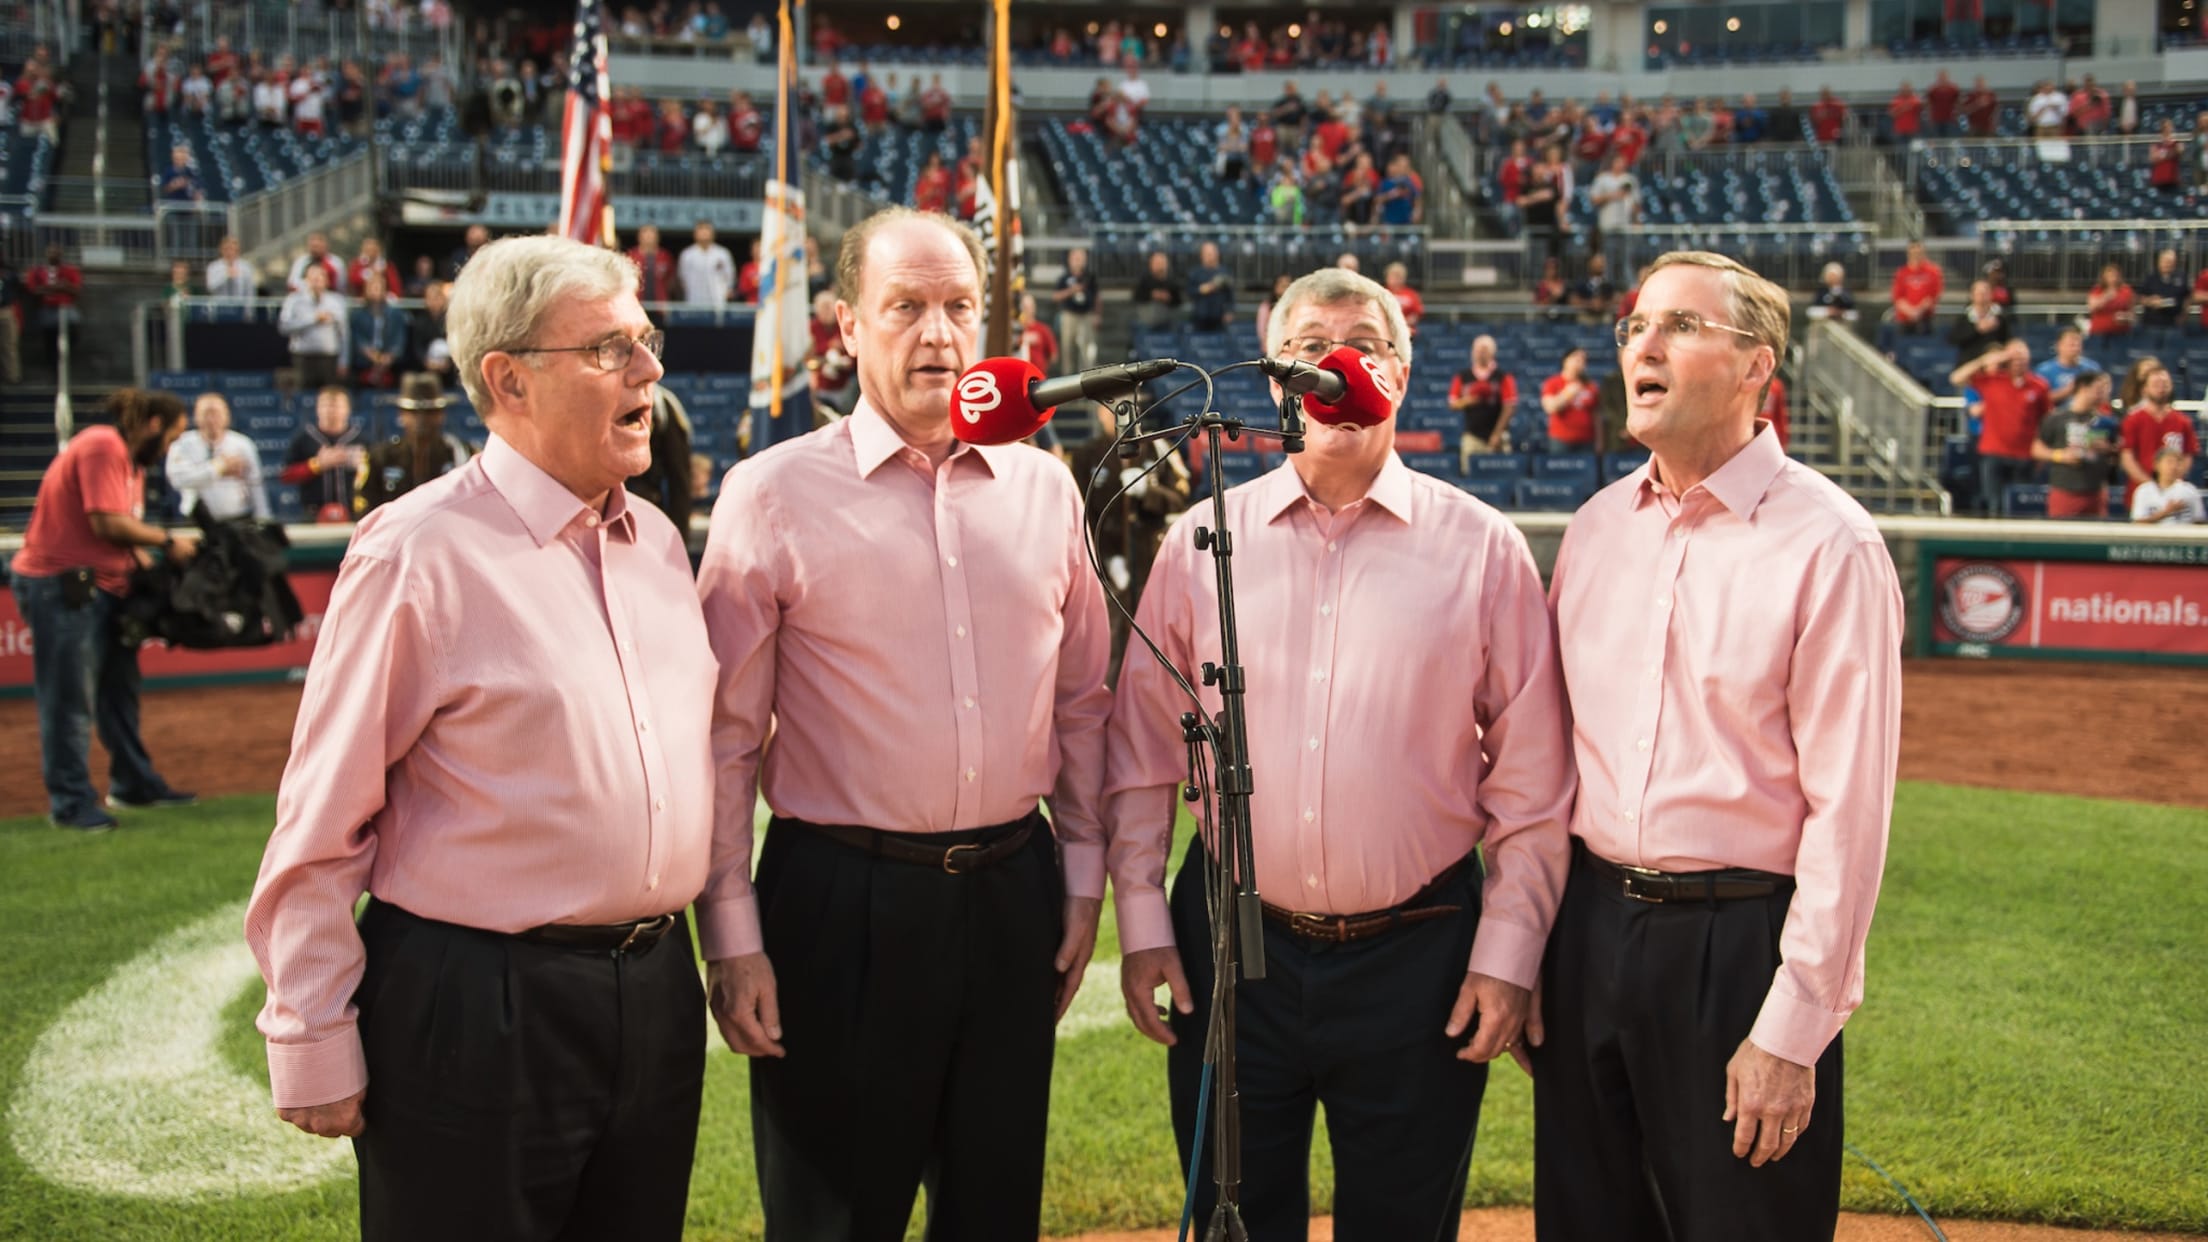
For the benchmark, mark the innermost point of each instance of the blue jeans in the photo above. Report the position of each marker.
(83, 678)
(1994, 476)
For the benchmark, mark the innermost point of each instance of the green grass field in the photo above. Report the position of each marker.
(2029, 1050)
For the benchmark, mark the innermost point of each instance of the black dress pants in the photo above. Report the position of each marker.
(525, 1091)
(1645, 1006)
(1355, 1028)
(919, 1015)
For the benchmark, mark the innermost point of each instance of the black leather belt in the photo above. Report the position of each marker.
(602, 937)
(1346, 928)
(997, 843)
(1658, 887)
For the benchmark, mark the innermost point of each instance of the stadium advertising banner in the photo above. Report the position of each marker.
(165, 665)
(2145, 603)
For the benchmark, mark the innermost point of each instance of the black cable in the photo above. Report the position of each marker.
(1895, 1182)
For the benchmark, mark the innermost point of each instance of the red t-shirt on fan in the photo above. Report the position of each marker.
(1575, 423)
(2013, 407)
(93, 474)
(2147, 433)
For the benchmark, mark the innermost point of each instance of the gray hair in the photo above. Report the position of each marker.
(507, 289)
(1333, 286)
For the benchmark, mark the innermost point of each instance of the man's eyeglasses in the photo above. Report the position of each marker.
(1679, 327)
(1313, 348)
(611, 354)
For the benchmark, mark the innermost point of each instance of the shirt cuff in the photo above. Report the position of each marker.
(1084, 869)
(304, 1075)
(1794, 1031)
(1144, 920)
(730, 928)
(1507, 952)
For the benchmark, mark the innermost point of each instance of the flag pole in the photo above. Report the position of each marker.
(772, 245)
(999, 123)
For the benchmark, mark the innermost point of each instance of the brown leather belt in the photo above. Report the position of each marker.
(960, 859)
(616, 938)
(1659, 887)
(1347, 928)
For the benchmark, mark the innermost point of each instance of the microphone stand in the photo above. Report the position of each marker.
(1237, 912)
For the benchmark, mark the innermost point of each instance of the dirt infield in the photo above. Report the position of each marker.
(1516, 1225)
(2103, 730)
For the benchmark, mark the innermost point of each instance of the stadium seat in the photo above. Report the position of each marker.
(2025, 500)
(1579, 470)
(1506, 467)
(1551, 495)
(1617, 465)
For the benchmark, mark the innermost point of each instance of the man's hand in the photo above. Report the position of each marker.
(339, 1120)
(1140, 973)
(183, 548)
(1501, 1009)
(1077, 948)
(1532, 1036)
(1768, 1100)
(740, 991)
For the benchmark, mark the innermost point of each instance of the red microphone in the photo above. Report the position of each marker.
(1367, 397)
(992, 405)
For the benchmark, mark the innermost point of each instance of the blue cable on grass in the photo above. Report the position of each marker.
(1906, 1197)
(1196, 1166)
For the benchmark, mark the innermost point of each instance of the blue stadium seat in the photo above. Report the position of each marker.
(1617, 465)
(1495, 491)
(1577, 469)
(1551, 495)
(2025, 500)
(1440, 465)
(1508, 467)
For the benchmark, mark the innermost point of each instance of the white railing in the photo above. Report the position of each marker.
(280, 218)
(1881, 445)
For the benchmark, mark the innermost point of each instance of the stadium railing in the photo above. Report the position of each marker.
(1881, 449)
(274, 28)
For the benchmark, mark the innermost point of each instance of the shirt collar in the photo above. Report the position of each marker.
(874, 441)
(1739, 484)
(1278, 491)
(543, 503)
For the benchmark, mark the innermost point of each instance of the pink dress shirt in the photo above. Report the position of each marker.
(1734, 663)
(1404, 706)
(928, 643)
(507, 723)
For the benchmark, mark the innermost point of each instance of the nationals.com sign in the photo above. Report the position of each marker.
(1999, 605)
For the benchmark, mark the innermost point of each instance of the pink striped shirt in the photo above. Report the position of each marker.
(928, 642)
(506, 724)
(1734, 663)
(1404, 706)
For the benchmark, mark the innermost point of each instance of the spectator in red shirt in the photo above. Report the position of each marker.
(1331, 136)
(2090, 109)
(85, 537)
(2153, 425)
(1568, 397)
(1982, 109)
(2167, 155)
(1916, 292)
(874, 106)
(1588, 148)
(835, 89)
(370, 262)
(1774, 409)
(835, 375)
(1628, 140)
(35, 99)
(747, 276)
(632, 117)
(966, 184)
(222, 62)
(1905, 114)
(1551, 289)
(1941, 100)
(1038, 344)
(746, 127)
(1485, 395)
(672, 132)
(655, 268)
(931, 191)
(1828, 116)
(935, 106)
(53, 287)
(1512, 178)
(2200, 297)
(1264, 149)
(2111, 305)
(1397, 278)
(2014, 401)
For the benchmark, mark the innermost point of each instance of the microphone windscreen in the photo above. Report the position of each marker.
(991, 404)
(1368, 397)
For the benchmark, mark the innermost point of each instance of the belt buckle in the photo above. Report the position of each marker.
(1639, 873)
(1315, 926)
(652, 926)
(950, 856)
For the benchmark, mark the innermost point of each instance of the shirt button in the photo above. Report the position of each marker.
(590, 520)
(952, 561)
(1309, 815)
(1318, 674)
(1326, 610)
(1333, 546)
(970, 774)
(1630, 817)
(653, 883)
(960, 631)
(1663, 601)
(1313, 743)
(1310, 881)
(659, 804)
(1642, 744)
(969, 702)
(643, 726)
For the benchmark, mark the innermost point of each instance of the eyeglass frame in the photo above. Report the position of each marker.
(1625, 339)
(1393, 351)
(654, 341)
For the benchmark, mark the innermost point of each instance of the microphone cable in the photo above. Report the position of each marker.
(1895, 1182)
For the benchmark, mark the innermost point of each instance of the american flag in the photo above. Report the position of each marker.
(586, 145)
